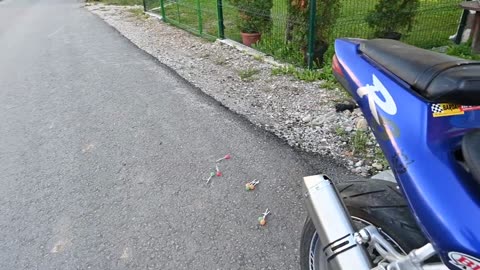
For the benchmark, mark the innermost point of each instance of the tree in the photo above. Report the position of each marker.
(392, 18)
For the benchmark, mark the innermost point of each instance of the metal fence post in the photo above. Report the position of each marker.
(162, 9)
(199, 13)
(312, 20)
(221, 27)
(461, 26)
(144, 5)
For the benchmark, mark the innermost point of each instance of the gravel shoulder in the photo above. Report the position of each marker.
(301, 113)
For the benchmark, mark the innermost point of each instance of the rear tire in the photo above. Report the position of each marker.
(375, 202)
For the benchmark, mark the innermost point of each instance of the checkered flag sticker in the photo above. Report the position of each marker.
(437, 108)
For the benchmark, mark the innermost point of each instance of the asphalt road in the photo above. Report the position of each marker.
(104, 152)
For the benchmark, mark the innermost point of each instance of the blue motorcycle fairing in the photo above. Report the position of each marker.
(420, 148)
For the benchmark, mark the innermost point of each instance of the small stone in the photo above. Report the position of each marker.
(359, 163)
(317, 121)
(348, 129)
(377, 166)
(361, 124)
(307, 118)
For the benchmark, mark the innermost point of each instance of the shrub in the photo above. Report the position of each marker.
(254, 16)
(298, 23)
(392, 18)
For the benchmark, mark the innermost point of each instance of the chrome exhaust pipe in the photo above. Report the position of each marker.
(334, 225)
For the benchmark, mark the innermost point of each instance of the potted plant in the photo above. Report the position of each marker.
(254, 18)
(390, 18)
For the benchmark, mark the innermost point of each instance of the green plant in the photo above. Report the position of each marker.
(329, 80)
(283, 70)
(138, 12)
(118, 2)
(392, 17)
(298, 22)
(380, 157)
(276, 47)
(299, 73)
(340, 131)
(359, 142)
(220, 61)
(463, 50)
(327, 13)
(254, 16)
(258, 58)
(309, 75)
(247, 74)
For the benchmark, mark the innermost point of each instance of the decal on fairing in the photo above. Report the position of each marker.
(387, 104)
(448, 109)
(464, 261)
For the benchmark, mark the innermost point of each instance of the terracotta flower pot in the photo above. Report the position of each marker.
(250, 38)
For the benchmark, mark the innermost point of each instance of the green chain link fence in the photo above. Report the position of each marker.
(295, 25)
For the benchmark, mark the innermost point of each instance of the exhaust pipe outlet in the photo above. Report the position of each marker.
(334, 225)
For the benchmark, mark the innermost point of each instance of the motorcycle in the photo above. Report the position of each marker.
(424, 110)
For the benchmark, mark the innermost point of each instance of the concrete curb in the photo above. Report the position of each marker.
(251, 51)
(239, 46)
(153, 15)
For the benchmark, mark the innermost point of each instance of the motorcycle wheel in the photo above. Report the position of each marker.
(369, 202)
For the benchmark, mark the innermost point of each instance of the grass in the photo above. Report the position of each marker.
(359, 142)
(184, 13)
(258, 58)
(463, 50)
(247, 74)
(325, 74)
(118, 2)
(340, 131)
(299, 73)
(380, 157)
(276, 46)
(435, 22)
(221, 61)
(138, 13)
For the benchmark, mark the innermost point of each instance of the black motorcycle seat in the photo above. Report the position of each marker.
(435, 76)
(471, 152)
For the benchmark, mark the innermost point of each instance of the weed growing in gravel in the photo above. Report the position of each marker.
(380, 157)
(119, 2)
(258, 58)
(247, 74)
(275, 46)
(301, 74)
(220, 61)
(284, 70)
(359, 142)
(330, 85)
(309, 75)
(463, 50)
(340, 131)
(138, 12)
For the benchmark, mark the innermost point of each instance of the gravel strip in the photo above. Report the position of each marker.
(301, 113)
